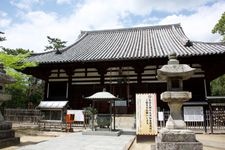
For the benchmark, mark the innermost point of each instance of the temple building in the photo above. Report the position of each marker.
(125, 62)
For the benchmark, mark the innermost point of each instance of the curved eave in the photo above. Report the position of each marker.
(127, 59)
(130, 44)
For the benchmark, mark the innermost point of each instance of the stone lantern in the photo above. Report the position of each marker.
(7, 134)
(4, 79)
(174, 73)
(175, 136)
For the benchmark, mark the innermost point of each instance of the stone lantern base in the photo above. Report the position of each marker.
(7, 135)
(176, 139)
(175, 100)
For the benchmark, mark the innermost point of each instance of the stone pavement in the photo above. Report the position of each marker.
(212, 141)
(209, 141)
(78, 141)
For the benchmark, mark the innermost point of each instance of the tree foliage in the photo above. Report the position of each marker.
(16, 52)
(218, 85)
(1, 37)
(220, 26)
(13, 61)
(26, 89)
(55, 44)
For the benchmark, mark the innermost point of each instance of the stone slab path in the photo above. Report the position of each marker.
(84, 142)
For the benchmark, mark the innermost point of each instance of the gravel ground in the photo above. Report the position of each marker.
(29, 135)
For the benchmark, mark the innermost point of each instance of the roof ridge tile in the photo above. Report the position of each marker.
(134, 28)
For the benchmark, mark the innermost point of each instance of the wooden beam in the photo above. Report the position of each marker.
(102, 71)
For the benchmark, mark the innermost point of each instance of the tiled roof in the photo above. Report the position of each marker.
(130, 43)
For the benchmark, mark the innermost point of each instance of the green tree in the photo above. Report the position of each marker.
(218, 85)
(220, 26)
(55, 44)
(18, 90)
(13, 61)
(1, 37)
(16, 51)
(35, 92)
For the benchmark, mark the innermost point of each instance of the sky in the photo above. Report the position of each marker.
(27, 23)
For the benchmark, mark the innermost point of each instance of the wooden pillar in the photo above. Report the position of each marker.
(211, 118)
(139, 70)
(69, 72)
(208, 76)
(110, 111)
(114, 115)
(102, 78)
(102, 71)
(205, 122)
(46, 89)
(208, 93)
(44, 74)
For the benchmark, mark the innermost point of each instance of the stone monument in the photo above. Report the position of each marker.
(175, 136)
(7, 134)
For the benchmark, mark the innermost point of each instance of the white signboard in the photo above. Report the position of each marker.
(146, 114)
(79, 116)
(160, 116)
(194, 113)
(120, 103)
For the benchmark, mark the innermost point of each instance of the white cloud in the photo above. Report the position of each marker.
(176, 5)
(199, 25)
(102, 14)
(32, 33)
(24, 4)
(63, 1)
(5, 20)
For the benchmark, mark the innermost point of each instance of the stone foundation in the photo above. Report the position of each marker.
(176, 140)
(102, 132)
(7, 135)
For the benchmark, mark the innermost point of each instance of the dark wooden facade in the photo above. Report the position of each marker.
(124, 79)
(125, 62)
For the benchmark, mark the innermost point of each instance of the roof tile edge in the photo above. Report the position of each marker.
(178, 25)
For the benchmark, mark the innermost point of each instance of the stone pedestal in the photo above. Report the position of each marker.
(175, 100)
(7, 135)
(176, 140)
(175, 136)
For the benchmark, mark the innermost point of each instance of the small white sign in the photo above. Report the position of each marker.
(78, 114)
(120, 103)
(160, 116)
(193, 114)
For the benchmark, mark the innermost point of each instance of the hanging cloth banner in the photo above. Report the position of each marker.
(146, 114)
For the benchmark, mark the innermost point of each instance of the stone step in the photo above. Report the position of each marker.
(125, 122)
(178, 146)
(7, 134)
(176, 139)
(9, 142)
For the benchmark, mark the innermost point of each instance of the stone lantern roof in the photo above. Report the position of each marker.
(5, 78)
(175, 70)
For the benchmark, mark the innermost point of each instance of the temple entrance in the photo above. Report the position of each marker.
(126, 92)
